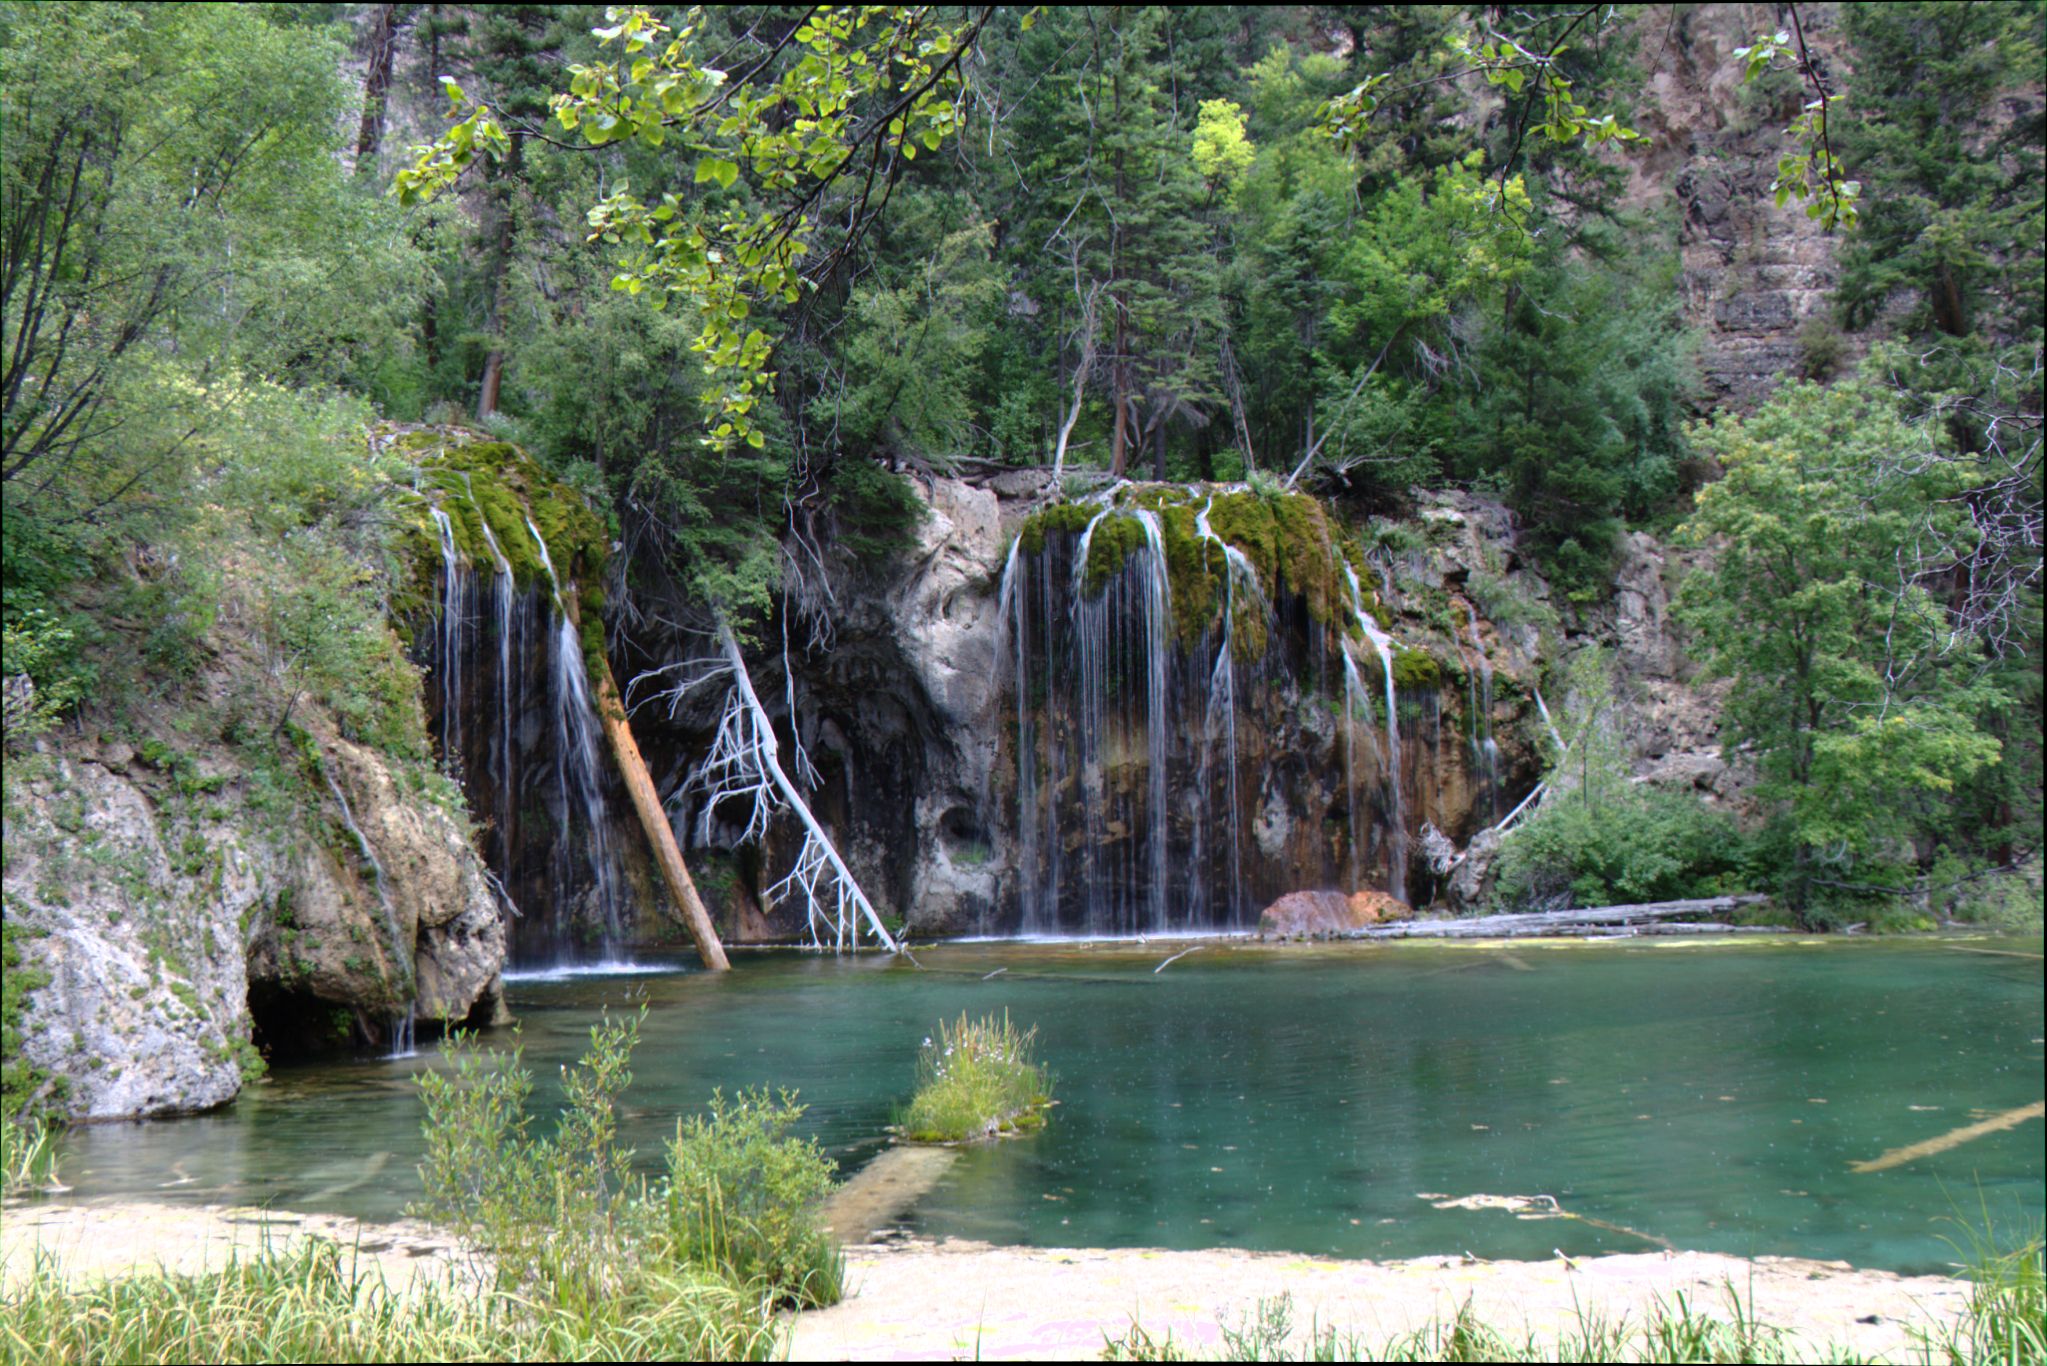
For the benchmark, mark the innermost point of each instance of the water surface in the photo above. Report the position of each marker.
(1292, 1099)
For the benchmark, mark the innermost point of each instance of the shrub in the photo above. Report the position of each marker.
(1618, 844)
(975, 1080)
(743, 1197)
(570, 1226)
(554, 1213)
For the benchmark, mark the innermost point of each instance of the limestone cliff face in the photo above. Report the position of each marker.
(183, 904)
(1756, 278)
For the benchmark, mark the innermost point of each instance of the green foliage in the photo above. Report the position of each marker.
(1954, 222)
(317, 1302)
(795, 131)
(555, 1213)
(569, 1225)
(744, 1197)
(28, 1154)
(1861, 700)
(1613, 844)
(977, 1080)
(22, 1087)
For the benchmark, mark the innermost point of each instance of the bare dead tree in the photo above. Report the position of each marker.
(744, 765)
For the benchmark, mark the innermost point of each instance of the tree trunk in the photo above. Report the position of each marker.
(376, 87)
(654, 820)
(501, 274)
(1637, 918)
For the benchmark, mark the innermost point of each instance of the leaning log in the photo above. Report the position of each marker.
(1596, 919)
(654, 820)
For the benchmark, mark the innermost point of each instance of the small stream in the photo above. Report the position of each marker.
(1293, 1099)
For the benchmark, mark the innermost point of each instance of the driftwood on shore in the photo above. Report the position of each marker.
(1649, 917)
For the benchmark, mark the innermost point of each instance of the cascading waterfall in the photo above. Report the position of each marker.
(505, 594)
(1397, 835)
(1238, 576)
(514, 718)
(454, 583)
(1158, 788)
(579, 767)
(1485, 750)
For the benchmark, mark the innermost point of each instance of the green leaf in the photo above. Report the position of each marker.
(715, 168)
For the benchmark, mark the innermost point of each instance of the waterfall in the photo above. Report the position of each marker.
(505, 594)
(401, 1030)
(1158, 787)
(1382, 644)
(1016, 628)
(1158, 631)
(514, 716)
(579, 767)
(1485, 751)
(1238, 572)
(401, 952)
(449, 665)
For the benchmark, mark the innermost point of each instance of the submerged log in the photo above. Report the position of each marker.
(647, 802)
(1641, 918)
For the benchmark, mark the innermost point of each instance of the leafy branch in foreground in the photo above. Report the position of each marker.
(866, 89)
(1810, 172)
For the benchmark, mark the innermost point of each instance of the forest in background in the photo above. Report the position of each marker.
(1167, 243)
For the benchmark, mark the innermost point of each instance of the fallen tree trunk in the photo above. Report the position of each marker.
(654, 820)
(1643, 917)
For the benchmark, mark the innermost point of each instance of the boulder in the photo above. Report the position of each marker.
(1307, 914)
(1370, 907)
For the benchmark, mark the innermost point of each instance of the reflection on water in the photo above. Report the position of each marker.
(1288, 1099)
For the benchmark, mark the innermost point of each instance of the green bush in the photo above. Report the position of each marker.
(743, 1197)
(569, 1225)
(975, 1080)
(1617, 844)
(556, 1214)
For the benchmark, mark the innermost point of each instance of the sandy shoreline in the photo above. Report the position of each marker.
(924, 1301)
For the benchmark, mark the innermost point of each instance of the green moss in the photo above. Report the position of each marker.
(1307, 555)
(1245, 521)
(1116, 538)
(1070, 518)
(1414, 670)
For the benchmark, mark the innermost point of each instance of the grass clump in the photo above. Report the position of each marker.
(315, 1303)
(976, 1079)
(28, 1154)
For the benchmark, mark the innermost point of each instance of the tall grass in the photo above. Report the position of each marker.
(977, 1079)
(28, 1154)
(315, 1304)
(2003, 1326)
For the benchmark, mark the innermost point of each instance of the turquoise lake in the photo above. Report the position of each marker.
(1299, 1099)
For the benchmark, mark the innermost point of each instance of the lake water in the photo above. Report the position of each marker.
(1300, 1099)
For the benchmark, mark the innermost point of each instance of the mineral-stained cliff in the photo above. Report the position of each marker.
(220, 865)
(910, 718)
